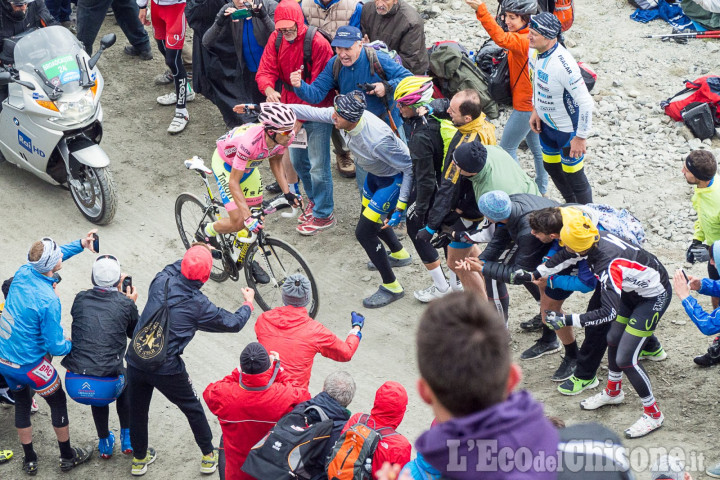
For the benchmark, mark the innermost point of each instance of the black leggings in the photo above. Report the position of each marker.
(574, 187)
(426, 252)
(101, 415)
(173, 59)
(57, 402)
(369, 234)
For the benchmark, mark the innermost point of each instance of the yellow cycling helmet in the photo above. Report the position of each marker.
(578, 232)
(414, 91)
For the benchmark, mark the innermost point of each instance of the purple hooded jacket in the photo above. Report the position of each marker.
(453, 447)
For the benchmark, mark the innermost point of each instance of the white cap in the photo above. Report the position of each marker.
(106, 271)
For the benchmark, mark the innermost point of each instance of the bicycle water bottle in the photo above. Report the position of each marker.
(471, 54)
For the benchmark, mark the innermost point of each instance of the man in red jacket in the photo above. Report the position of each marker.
(279, 60)
(249, 402)
(291, 332)
(388, 411)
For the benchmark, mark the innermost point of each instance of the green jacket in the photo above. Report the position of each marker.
(501, 172)
(706, 202)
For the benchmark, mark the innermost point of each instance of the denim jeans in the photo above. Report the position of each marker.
(91, 14)
(60, 9)
(312, 165)
(517, 128)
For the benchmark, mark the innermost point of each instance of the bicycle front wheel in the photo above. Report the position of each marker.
(190, 213)
(267, 267)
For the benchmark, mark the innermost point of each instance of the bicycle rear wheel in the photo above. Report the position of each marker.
(279, 260)
(190, 213)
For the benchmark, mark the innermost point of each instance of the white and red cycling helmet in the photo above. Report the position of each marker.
(277, 116)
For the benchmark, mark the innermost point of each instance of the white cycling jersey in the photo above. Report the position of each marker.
(560, 96)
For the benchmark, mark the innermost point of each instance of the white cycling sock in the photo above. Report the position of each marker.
(438, 278)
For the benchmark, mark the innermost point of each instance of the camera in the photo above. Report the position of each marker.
(127, 282)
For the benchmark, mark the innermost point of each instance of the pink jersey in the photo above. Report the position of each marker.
(244, 147)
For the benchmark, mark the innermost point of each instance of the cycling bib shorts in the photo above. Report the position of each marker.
(250, 184)
(641, 319)
(41, 376)
(94, 391)
(556, 149)
(380, 195)
(479, 232)
(168, 23)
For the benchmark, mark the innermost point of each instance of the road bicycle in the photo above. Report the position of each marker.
(267, 261)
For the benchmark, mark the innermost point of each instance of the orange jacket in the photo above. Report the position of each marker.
(517, 45)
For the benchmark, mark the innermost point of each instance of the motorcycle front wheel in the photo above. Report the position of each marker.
(93, 191)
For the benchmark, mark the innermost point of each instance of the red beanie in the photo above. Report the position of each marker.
(197, 263)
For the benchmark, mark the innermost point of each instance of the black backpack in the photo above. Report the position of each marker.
(149, 344)
(290, 449)
(307, 51)
(698, 117)
(493, 62)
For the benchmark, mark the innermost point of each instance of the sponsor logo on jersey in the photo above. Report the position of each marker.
(230, 151)
(542, 76)
(565, 64)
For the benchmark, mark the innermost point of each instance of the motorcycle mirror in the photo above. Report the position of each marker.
(5, 78)
(108, 40)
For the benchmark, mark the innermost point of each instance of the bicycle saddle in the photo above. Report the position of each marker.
(197, 163)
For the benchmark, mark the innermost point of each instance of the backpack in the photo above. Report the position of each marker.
(307, 51)
(149, 345)
(292, 445)
(351, 458)
(493, 62)
(588, 74)
(704, 90)
(698, 117)
(452, 71)
(381, 46)
(375, 67)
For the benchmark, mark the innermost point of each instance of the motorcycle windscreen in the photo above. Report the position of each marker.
(52, 50)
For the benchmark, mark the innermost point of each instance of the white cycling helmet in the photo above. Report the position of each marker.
(277, 116)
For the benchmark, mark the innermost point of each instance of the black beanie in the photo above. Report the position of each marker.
(471, 156)
(254, 359)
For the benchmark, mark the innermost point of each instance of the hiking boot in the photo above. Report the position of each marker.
(273, 188)
(259, 274)
(345, 164)
(713, 471)
(209, 463)
(540, 348)
(565, 370)
(178, 124)
(655, 356)
(601, 399)
(30, 468)
(106, 446)
(164, 78)
(125, 445)
(139, 467)
(712, 357)
(533, 324)
(171, 98)
(382, 297)
(315, 225)
(134, 52)
(5, 456)
(574, 385)
(306, 215)
(81, 455)
(394, 262)
(430, 293)
(6, 397)
(644, 425)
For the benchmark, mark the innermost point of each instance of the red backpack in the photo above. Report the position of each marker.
(705, 90)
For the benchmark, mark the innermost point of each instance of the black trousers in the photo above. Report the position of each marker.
(176, 388)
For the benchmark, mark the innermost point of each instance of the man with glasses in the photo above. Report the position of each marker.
(30, 334)
(284, 54)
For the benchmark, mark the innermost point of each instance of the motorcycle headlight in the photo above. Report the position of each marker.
(76, 110)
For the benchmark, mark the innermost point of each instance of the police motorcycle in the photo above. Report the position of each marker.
(51, 120)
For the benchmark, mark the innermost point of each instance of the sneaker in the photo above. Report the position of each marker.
(712, 357)
(540, 348)
(430, 293)
(306, 215)
(382, 297)
(164, 78)
(315, 225)
(574, 385)
(6, 397)
(273, 188)
(81, 455)
(259, 274)
(171, 98)
(125, 445)
(34, 406)
(209, 463)
(6, 456)
(345, 164)
(178, 124)
(30, 468)
(139, 467)
(601, 399)
(394, 262)
(713, 471)
(656, 356)
(533, 324)
(106, 446)
(644, 425)
(565, 370)
(134, 52)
